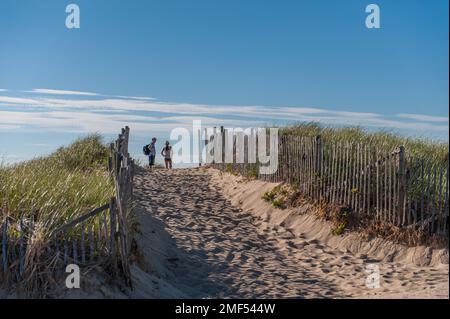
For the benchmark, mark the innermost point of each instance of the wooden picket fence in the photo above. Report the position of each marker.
(100, 236)
(387, 186)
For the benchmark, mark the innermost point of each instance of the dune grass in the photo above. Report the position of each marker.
(55, 189)
(421, 148)
(426, 173)
(419, 152)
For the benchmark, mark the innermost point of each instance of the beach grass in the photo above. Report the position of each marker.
(54, 189)
(429, 150)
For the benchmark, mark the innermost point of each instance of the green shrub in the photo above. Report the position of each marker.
(339, 229)
(269, 196)
(278, 203)
(252, 172)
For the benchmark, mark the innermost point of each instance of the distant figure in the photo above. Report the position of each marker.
(151, 152)
(167, 154)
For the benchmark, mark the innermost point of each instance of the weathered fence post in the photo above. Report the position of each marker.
(5, 245)
(318, 165)
(401, 184)
(199, 151)
(222, 138)
(112, 235)
(21, 248)
(214, 141)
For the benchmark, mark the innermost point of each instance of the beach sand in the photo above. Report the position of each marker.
(206, 234)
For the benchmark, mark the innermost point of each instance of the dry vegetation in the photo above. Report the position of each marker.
(430, 150)
(55, 189)
(46, 193)
(342, 219)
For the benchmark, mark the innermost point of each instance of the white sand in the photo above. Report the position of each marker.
(417, 272)
(204, 234)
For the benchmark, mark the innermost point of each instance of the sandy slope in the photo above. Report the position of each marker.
(206, 235)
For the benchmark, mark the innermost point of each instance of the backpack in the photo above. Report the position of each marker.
(146, 149)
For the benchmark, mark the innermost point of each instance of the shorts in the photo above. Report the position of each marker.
(151, 160)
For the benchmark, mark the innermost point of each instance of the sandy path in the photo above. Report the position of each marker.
(219, 250)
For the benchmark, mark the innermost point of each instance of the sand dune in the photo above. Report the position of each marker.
(207, 235)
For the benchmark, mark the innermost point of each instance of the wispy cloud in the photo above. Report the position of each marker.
(424, 118)
(3, 90)
(8, 127)
(144, 98)
(61, 92)
(9, 100)
(82, 113)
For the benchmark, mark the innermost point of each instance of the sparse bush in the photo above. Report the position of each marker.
(277, 196)
(269, 196)
(252, 172)
(295, 183)
(278, 203)
(339, 229)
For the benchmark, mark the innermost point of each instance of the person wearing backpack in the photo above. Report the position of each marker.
(150, 151)
(167, 154)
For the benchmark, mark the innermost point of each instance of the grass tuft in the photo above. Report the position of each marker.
(55, 189)
(430, 150)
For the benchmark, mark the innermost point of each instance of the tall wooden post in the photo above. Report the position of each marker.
(222, 138)
(318, 166)
(199, 151)
(214, 146)
(401, 183)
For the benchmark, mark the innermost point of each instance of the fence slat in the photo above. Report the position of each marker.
(112, 225)
(5, 245)
(66, 249)
(91, 242)
(21, 248)
(74, 250)
(83, 252)
(346, 169)
(445, 216)
(389, 187)
(440, 200)
(377, 183)
(334, 174)
(433, 199)
(428, 191)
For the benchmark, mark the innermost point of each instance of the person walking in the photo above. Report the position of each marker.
(151, 149)
(167, 154)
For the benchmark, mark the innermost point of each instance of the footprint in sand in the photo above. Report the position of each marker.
(224, 251)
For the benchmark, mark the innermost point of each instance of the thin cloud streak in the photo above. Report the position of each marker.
(61, 92)
(144, 114)
(144, 98)
(424, 118)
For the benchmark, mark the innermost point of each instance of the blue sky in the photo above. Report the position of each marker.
(238, 63)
